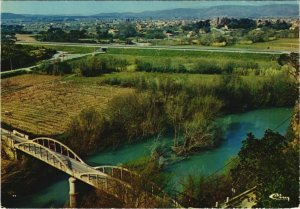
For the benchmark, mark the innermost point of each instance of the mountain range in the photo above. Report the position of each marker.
(276, 10)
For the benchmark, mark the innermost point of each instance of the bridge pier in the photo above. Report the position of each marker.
(14, 150)
(72, 193)
(15, 154)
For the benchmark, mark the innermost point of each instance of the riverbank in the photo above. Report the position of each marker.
(236, 127)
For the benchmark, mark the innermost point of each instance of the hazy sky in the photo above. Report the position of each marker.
(95, 7)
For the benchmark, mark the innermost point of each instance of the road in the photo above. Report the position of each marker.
(160, 47)
(66, 56)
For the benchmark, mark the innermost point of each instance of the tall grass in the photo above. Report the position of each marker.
(237, 92)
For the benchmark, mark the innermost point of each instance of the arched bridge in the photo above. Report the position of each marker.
(114, 180)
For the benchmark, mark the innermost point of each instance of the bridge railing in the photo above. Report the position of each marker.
(130, 177)
(44, 154)
(136, 179)
(58, 147)
(109, 178)
(20, 134)
(107, 183)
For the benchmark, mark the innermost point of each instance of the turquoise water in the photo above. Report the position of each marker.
(235, 127)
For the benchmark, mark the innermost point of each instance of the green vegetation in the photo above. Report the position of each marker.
(237, 92)
(126, 119)
(58, 35)
(15, 56)
(191, 54)
(200, 66)
(284, 44)
(271, 164)
(233, 23)
(186, 104)
(87, 67)
(202, 191)
(196, 27)
(292, 60)
(95, 66)
(19, 56)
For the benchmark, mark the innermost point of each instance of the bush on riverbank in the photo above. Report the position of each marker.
(238, 93)
(136, 116)
(126, 119)
(186, 106)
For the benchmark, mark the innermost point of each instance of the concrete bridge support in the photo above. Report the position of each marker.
(72, 193)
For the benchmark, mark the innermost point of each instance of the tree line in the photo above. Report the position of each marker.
(14, 56)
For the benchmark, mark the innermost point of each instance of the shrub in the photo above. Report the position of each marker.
(59, 68)
(164, 66)
(205, 67)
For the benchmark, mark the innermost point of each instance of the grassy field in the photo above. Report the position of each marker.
(285, 44)
(191, 55)
(188, 57)
(44, 105)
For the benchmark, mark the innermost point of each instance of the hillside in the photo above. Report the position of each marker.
(282, 10)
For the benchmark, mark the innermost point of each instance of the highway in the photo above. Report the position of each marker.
(160, 47)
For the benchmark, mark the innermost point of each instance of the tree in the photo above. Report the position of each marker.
(84, 130)
(257, 36)
(293, 60)
(206, 39)
(205, 25)
(15, 56)
(127, 30)
(244, 23)
(176, 110)
(201, 192)
(102, 33)
(272, 166)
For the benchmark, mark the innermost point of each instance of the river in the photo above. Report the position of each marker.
(235, 127)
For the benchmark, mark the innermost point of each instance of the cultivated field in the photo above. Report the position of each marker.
(25, 37)
(44, 105)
